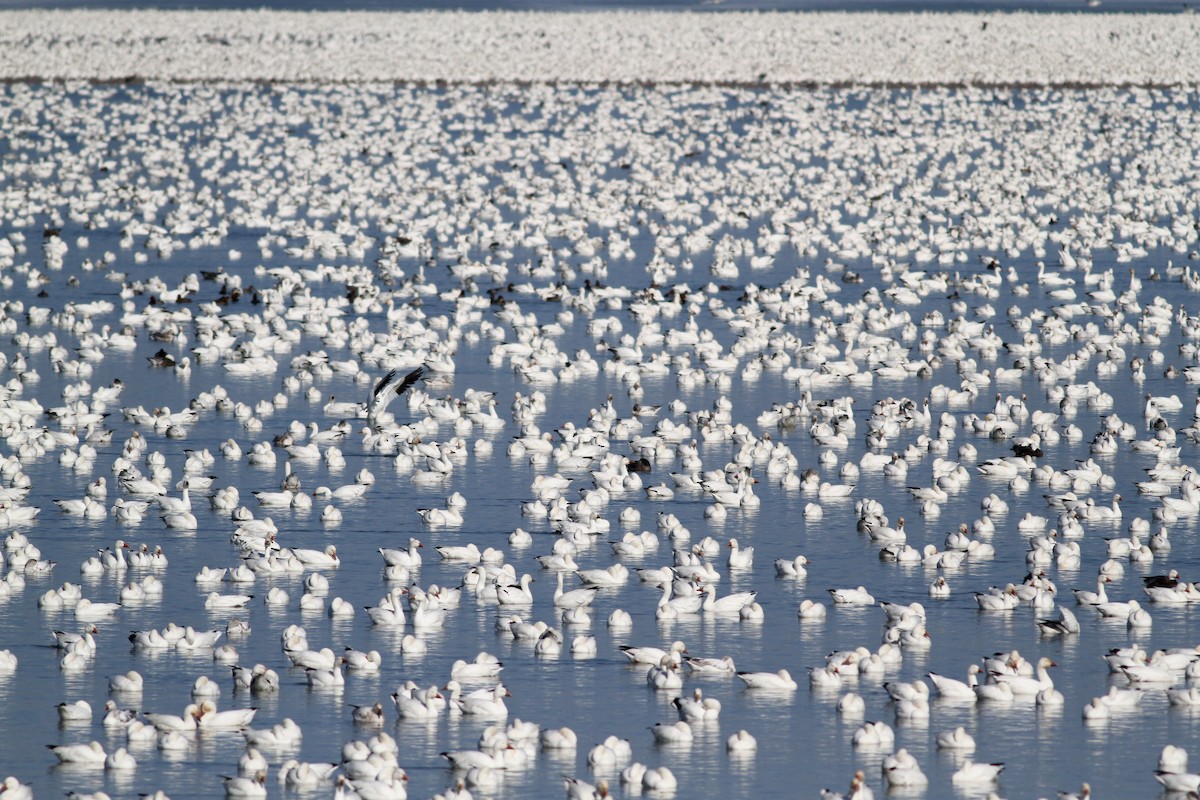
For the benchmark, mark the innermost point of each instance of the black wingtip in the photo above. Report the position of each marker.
(410, 379)
(384, 381)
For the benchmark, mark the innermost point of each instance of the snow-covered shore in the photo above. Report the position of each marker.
(621, 46)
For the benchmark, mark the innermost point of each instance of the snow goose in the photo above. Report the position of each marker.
(1118, 610)
(741, 742)
(697, 707)
(578, 789)
(653, 655)
(89, 755)
(812, 611)
(86, 609)
(1084, 793)
(117, 716)
(902, 769)
(120, 759)
(418, 705)
(1189, 698)
(729, 604)
(360, 661)
(168, 722)
(1065, 624)
(711, 666)
(858, 790)
(484, 667)
(559, 739)
(975, 773)
(952, 689)
(518, 594)
(768, 680)
(792, 567)
(584, 646)
(679, 732)
(615, 575)
(851, 705)
(1173, 759)
(1086, 598)
(665, 675)
(957, 739)
(994, 692)
(994, 599)
(78, 711)
(205, 687)
(826, 677)
(284, 734)
(485, 702)
(874, 735)
(740, 557)
(575, 598)
(1181, 782)
(469, 553)
(130, 682)
(426, 615)
(234, 719)
(241, 787)
(1022, 685)
(852, 597)
(660, 780)
(318, 559)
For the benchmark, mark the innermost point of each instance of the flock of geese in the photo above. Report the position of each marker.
(1092, 43)
(841, 341)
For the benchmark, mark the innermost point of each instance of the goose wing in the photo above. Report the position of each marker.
(388, 389)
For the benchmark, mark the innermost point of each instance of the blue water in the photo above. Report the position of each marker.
(803, 744)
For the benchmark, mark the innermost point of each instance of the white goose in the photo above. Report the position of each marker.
(665, 675)
(517, 594)
(697, 707)
(768, 680)
(740, 557)
(485, 702)
(729, 604)
(576, 598)
(952, 689)
(653, 655)
(419, 705)
(409, 559)
(792, 567)
(957, 739)
(852, 597)
(1085, 598)
(1023, 685)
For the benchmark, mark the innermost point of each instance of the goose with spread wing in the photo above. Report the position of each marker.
(388, 389)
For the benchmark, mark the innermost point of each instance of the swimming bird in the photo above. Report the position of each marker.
(852, 597)
(80, 710)
(91, 755)
(957, 739)
(952, 689)
(972, 772)
(188, 721)
(247, 787)
(574, 598)
(768, 680)
(697, 707)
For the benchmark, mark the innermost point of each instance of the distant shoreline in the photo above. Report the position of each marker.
(629, 47)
